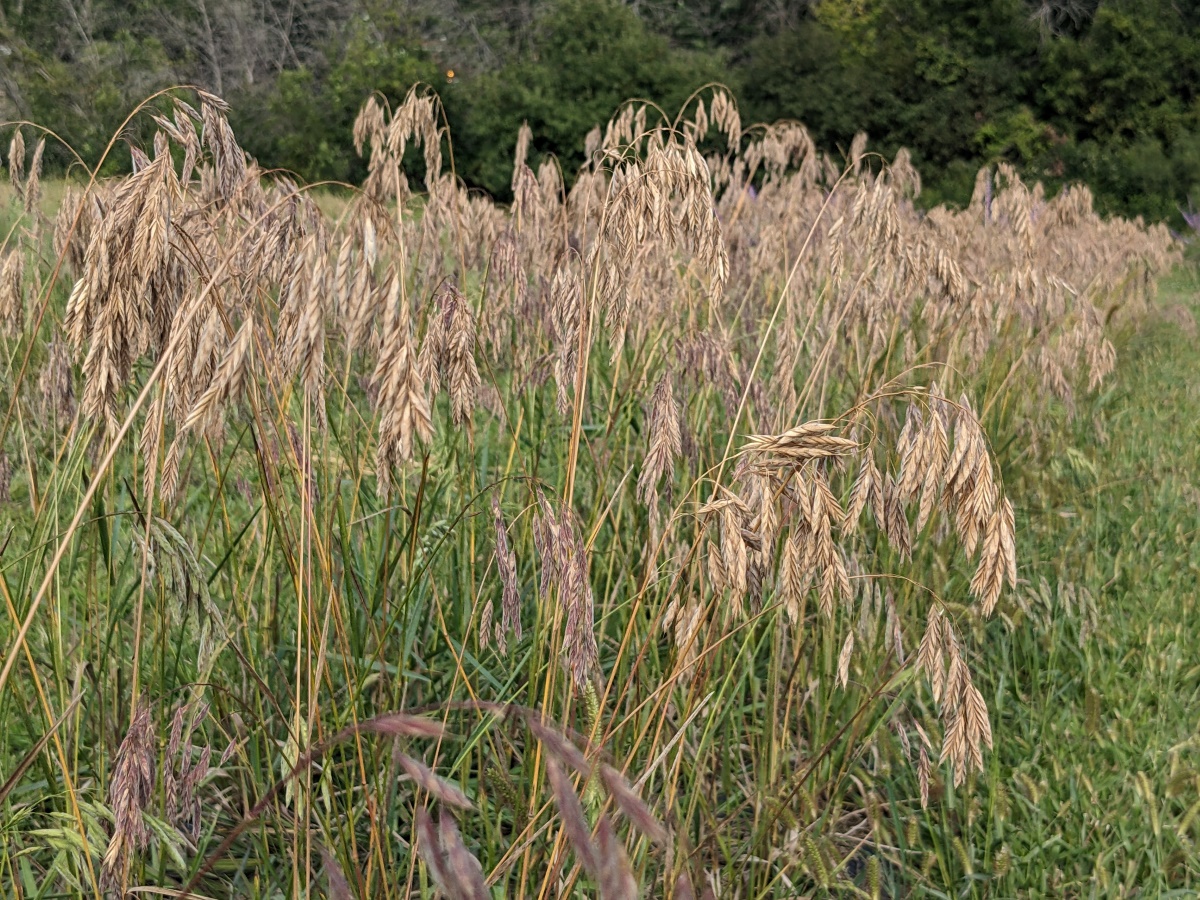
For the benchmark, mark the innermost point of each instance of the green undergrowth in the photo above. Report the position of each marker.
(1094, 787)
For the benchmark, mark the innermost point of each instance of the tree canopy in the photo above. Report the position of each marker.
(1103, 91)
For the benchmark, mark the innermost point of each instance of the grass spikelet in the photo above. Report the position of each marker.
(336, 885)
(399, 724)
(631, 805)
(506, 564)
(866, 484)
(12, 298)
(794, 577)
(33, 184)
(574, 822)
(929, 657)
(16, 159)
(665, 443)
(616, 878)
(447, 356)
(6, 473)
(734, 557)
(564, 549)
(464, 872)
(989, 575)
(683, 887)
(559, 746)
(812, 440)
(129, 794)
(402, 401)
(437, 787)
(843, 664)
(923, 775)
(226, 382)
(429, 845)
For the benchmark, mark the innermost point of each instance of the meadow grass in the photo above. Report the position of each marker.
(684, 531)
(1100, 775)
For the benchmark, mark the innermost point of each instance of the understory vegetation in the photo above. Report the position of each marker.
(710, 521)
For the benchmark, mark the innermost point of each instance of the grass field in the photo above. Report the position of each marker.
(1100, 777)
(720, 525)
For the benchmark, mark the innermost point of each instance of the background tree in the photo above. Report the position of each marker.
(1097, 90)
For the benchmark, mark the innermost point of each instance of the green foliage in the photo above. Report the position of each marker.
(1131, 76)
(586, 58)
(85, 101)
(303, 120)
(1100, 92)
(809, 73)
(940, 77)
(1014, 135)
(1145, 177)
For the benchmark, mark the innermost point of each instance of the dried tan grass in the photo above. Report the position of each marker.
(737, 295)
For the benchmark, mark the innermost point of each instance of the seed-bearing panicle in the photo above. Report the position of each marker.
(340, 278)
(129, 791)
(734, 556)
(617, 881)
(929, 657)
(72, 228)
(575, 592)
(33, 184)
(812, 440)
(429, 845)
(565, 564)
(506, 563)
(573, 819)
(337, 887)
(557, 744)
(935, 455)
(12, 298)
(632, 806)
(415, 118)
(56, 383)
(843, 666)
(967, 728)
(362, 303)
(301, 331)
(402, 402)
(665, 441)
(545, 542)
(448, 352)
(997, 558)
(969, 484)
(463, 868)
(867, 490)
(454, 869)
(229, 162)
(369, 126)
(923, 774)
(227, 380)
(910, 447)
(439, 788)
(182, 772)
(896, 520)
(795, 576)
(566, 312)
